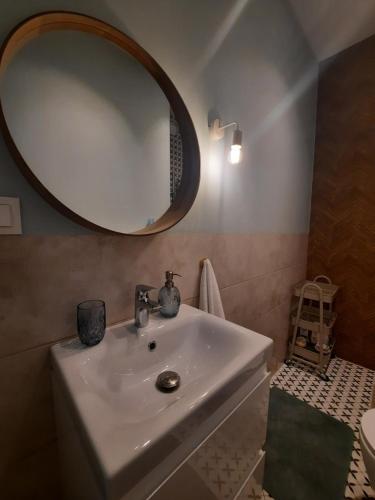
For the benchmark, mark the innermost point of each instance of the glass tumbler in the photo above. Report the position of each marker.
(91, 321)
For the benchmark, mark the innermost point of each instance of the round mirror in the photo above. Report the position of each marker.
(96, 125)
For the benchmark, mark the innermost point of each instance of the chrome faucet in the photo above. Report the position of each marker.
(144, 305)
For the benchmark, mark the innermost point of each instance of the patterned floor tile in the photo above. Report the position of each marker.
(346, 396)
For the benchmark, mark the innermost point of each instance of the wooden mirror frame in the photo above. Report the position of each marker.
(44, 22)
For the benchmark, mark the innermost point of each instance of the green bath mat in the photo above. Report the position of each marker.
(307, 452)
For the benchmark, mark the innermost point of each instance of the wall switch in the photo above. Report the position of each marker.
(10, 215)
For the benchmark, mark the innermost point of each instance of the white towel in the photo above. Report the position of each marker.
(209, 298)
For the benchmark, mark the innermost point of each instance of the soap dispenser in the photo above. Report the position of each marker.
(169, 296)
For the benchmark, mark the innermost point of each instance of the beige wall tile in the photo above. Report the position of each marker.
(275, 325)
(26, 411)
(193, 302)
(262, 304)
(35, 477)
(240, 257)
(247, 300)
(44, 278)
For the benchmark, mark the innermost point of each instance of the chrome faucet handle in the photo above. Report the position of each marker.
(143, 304)
(141, 293)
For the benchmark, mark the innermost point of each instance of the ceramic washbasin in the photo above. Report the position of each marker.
(129, 425)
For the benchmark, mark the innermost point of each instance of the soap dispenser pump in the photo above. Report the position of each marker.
(169, 296)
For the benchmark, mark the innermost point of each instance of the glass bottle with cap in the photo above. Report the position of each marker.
(169, 296)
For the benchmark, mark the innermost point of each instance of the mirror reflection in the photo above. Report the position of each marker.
(95, 128)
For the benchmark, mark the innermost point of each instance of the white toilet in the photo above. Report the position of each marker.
(367, 438)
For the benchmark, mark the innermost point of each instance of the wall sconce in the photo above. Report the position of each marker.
(217, 133)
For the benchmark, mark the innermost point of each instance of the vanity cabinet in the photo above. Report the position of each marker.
(228, 464)
(122, 439)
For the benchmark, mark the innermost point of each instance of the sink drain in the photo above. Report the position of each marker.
(168, 381)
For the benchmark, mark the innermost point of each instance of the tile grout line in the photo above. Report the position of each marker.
(35, 347)
(261, 275)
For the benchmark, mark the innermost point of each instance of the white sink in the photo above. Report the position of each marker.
(129, 426)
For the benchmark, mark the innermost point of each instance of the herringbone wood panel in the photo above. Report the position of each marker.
(342, 232)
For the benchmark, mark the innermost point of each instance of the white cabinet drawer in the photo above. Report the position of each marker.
(253, 488)
(225, 460)
(221, 465)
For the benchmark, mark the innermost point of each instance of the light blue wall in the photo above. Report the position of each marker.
(246, 60)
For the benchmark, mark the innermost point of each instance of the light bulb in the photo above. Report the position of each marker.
(235, 153)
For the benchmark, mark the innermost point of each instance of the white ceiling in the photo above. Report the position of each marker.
(333, 25)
